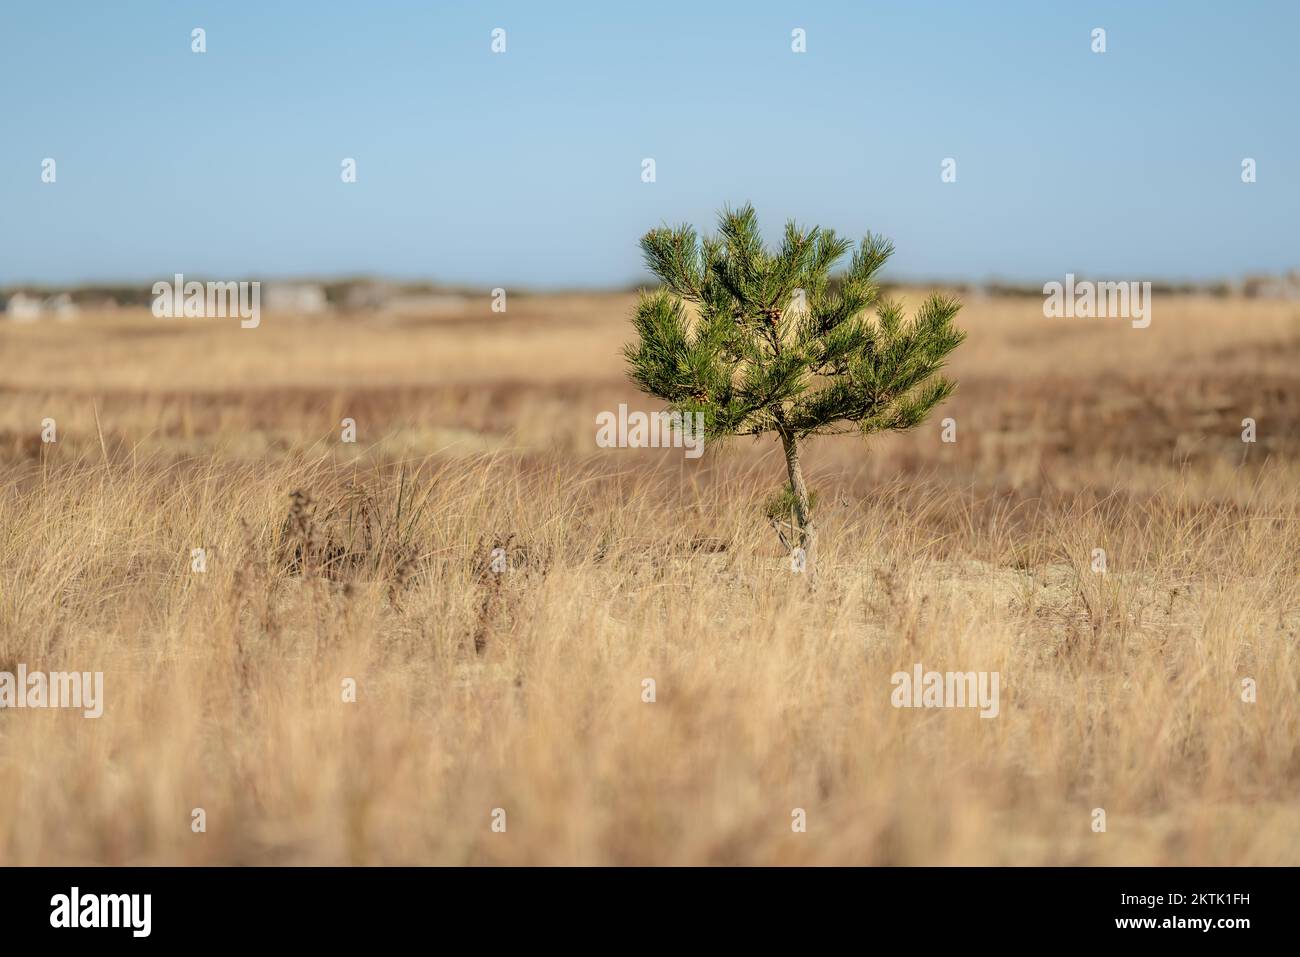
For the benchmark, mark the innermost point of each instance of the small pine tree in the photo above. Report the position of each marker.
(768, 343)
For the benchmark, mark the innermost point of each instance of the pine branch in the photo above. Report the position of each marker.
(850, 362)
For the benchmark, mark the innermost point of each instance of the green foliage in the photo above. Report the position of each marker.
(720, 337)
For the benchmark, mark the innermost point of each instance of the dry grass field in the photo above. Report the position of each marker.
(523, 691)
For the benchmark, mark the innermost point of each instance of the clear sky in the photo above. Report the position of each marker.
(524, 168)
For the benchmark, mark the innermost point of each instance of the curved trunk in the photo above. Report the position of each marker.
(807, 533)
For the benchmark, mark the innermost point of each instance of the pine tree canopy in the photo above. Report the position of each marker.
(760, 341)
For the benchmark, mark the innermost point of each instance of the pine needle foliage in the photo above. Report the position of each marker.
(760, 340)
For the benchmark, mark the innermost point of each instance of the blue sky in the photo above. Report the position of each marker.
(524, 168)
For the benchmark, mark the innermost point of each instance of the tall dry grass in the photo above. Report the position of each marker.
(524, 691)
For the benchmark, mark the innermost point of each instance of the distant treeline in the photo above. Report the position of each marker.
(339, 292)
(997, 287)
(1220, 288)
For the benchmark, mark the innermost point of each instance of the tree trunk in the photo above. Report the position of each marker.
(807, 538)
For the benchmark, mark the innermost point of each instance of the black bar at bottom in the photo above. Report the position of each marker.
(333, 906)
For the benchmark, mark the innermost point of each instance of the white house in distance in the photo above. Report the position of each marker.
(299, 298)
(62, 307)
(25, 308)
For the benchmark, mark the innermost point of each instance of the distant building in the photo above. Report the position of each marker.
(1272, 287)
(302, 298)
(23, 308)
(61, 307)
